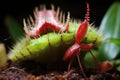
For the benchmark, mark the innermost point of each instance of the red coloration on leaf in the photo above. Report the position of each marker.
(104, 66)
(45, 21)
(72, 51)
(86, 47)
(82, 30)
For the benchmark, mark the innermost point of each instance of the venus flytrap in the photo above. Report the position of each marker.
(49, 38)
(49, 42)
(47, 45)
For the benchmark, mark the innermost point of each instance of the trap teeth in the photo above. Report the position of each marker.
(25, 25)
(35, 12)
(68, 19)
(58, 11)
(53, 8)
(28, 21)
(42, 7)
(31, 19)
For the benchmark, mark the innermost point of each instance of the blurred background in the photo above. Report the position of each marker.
(20, 9)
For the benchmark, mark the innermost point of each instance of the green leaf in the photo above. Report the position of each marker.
(110, 27)
(108, 51)
(89, 59)
(115, 41)
(116, 64)
(14, 28)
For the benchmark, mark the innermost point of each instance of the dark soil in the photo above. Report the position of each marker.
(18, 72)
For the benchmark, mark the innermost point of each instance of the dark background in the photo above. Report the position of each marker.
(20, 9)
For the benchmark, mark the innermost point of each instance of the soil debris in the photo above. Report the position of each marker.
(15, 73)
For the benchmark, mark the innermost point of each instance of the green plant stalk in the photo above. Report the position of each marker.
(50, 48)
(3, 55)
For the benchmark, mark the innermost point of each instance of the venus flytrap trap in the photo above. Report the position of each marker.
(49, 36)
(46, 21)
